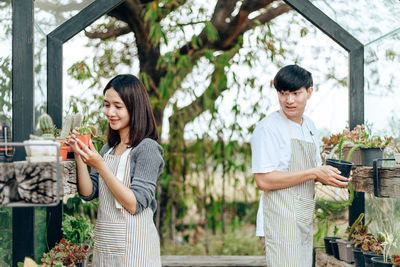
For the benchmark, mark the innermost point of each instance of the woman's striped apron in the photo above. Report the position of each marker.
(289, 212)
(123, 239)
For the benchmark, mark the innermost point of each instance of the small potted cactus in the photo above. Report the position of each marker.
(43, 147)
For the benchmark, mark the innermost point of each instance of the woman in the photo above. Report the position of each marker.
(123, 177)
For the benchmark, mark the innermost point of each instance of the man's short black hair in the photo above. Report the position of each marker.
(291, 78)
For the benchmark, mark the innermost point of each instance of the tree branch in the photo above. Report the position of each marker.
(269, 15)
(110, 33)
(206, 101)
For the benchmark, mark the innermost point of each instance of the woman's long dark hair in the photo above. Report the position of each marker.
(141, 119)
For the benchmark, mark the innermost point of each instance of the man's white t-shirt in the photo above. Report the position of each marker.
(271, 148)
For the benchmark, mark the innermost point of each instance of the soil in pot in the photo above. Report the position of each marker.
(328, 246)
(335, 249)
(369, 154)
(368, 255)
(343, 166)
(379, 262)
(346, 250)
(358, 257)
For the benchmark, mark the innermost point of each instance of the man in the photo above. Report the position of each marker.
(285, 160)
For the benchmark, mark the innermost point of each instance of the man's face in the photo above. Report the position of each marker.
(294, 103)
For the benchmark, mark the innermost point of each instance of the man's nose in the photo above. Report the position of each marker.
(290, 98)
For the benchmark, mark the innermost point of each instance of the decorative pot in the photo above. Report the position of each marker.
(85, 138)
(343, 166)
(41, 150)
(379, 262)
(346, 250)
(328, 246)
(369, 154)
(64, 152)
(368, 255)
(358, 257)
(335, 249)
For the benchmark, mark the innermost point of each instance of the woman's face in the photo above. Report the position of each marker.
(116, 111)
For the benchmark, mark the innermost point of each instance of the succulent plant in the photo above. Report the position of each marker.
(46, 126)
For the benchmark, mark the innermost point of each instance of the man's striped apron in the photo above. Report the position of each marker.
(123, 239)
(289, 212)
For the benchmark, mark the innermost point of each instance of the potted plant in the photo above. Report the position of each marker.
(65, 253)
(360, 233)
(345, 246)
(385, 259)
(42, 148)
(372, 247)
(371, 146)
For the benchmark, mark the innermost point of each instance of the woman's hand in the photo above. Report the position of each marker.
(329, 175)
(88, 155)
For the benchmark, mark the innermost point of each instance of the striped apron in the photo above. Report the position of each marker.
(123, 239)
(289, 213)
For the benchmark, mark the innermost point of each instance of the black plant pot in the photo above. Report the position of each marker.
(343, 166)
(379, 262)
(335, 249)
(368, 255)
(369, 154)
(328, 246)
(358, 257)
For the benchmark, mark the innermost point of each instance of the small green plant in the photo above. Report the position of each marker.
(78, 230)
(388, 244)
(84, 130)
(46, 126)
(353, 226)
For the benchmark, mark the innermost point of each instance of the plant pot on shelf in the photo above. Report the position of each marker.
(328, 246)
(379, 262)
(368, 255)
(369, 154)
(85, 138)
(358, 257)
(356, 158)
(41, 150)
(343, 166)
(335, 249)
(346, 250)
(64, 152)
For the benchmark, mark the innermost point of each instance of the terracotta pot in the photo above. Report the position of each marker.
(63, 152)
(85, 138)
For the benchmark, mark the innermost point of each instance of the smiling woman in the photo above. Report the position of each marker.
(124, 177)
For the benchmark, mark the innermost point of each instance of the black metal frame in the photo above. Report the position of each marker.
(23, 92)
(22, 116)
(55, 41)
(356, 74)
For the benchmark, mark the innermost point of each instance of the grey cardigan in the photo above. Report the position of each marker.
(146, 160)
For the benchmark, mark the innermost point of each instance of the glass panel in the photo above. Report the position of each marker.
(382, 85)
(366, 20)
(5, 116)
(51, 14)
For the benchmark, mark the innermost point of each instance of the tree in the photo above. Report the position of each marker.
(167, 55)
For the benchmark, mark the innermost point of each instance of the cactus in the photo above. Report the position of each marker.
(77, 120)
(66, 127)
(46, 125)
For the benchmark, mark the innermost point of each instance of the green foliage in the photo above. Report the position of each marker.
(78, 230)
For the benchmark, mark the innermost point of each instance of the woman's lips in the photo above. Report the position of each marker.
(113, 121)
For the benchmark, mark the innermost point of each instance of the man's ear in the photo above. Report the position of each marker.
(310, 90)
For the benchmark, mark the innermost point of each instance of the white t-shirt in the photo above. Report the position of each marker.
(271, 148)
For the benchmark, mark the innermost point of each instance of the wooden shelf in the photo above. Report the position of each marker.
(389, 181)
(25, 183)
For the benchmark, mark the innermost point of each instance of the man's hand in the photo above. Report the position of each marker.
(329, 175)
